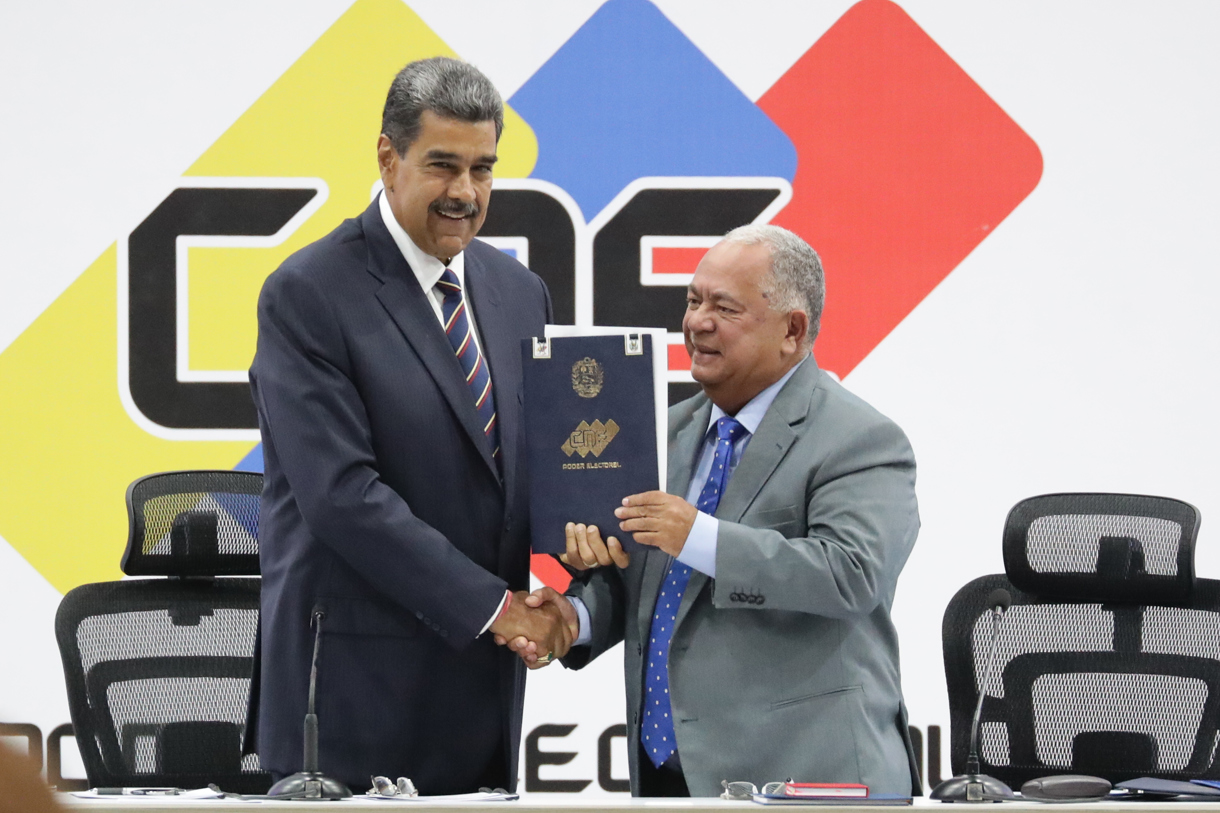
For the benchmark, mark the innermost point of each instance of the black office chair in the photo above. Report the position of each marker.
(1108, 660)
(158, 669)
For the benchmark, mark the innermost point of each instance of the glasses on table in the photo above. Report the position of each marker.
(382, 786)
(744, 791)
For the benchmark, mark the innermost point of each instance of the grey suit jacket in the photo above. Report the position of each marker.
(786, 664)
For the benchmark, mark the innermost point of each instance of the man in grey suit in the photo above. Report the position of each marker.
(756, 623)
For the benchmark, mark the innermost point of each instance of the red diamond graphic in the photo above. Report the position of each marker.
(904, 165)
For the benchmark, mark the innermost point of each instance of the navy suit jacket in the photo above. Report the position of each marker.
(382, 507)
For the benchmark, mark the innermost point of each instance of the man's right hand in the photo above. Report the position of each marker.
(544, 599)
(586, 549)
(542, 626)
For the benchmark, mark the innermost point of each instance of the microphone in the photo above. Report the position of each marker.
(973, 786)
(309, 783)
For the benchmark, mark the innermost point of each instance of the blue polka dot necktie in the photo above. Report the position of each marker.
(657, 733)
(461, 338)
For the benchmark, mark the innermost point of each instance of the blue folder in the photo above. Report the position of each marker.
(590, 433)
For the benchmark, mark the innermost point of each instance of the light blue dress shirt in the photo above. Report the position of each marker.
(699, 550)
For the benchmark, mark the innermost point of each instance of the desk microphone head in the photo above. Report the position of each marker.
(999, 599)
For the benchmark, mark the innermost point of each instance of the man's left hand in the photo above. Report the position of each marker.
(657, 519)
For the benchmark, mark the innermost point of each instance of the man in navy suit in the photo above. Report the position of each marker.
(395, 515)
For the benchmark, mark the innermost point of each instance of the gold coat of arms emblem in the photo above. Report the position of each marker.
(587, 377)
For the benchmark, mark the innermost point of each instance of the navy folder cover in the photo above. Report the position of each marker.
(590, 434)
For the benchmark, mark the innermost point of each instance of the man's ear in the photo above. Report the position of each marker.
(387, 158)
(798, 328)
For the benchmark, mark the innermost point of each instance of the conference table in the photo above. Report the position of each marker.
(599, 805)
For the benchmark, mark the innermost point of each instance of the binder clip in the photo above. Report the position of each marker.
(542, 348)
(633, 344)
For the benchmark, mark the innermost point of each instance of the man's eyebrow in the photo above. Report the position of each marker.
(445, 155)
(716, 297)
(721, 296)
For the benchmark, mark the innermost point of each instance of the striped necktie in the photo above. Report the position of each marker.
(657, 732)
(461, 337)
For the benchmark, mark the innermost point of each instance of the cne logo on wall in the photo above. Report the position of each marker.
(623, 159)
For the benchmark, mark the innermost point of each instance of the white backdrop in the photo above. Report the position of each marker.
(1074, 349)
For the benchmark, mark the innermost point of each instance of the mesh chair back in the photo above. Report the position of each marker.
(193, 523)
(1111, 547)
(1110, 690)
(1082, 682)
(158, 671)
(158, 675)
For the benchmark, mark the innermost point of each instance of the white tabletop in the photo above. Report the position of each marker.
(534, 804)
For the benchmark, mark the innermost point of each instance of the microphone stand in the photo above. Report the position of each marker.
(309, 784)
(973, 786)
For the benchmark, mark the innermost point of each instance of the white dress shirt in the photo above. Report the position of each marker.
(428, 269)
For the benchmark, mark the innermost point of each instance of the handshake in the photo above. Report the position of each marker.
(538, 626)
(541, 626)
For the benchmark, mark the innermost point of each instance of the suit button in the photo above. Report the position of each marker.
(419, 615)
(762, 600)
(639, 649)
(734, 596)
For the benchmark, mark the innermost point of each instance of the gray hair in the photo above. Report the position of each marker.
(448, 87)
(797, 281)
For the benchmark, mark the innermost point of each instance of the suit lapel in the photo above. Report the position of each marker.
(684, 449)
(767, 448)
(770, 443)
(407, 304)
(502, 352)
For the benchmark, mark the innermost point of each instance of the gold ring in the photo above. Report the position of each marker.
(547, 658)
(589, 564)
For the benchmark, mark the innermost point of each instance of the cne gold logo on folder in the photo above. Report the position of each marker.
(594, 437)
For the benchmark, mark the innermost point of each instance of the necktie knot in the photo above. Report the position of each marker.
(729, 429)
(449, 285)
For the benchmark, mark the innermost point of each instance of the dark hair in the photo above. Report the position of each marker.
(448, 87)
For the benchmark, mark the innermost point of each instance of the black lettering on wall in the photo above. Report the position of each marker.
(55, 777)
(152, 297)
(535, 758)
(619, 298)
(934, 777)
(917, 744)
(541, 219)
(605, 750)
(33, 738)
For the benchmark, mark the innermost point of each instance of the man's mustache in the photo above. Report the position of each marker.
(454, 207)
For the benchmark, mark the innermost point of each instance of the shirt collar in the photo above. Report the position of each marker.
(427, 269)
(751, 415)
